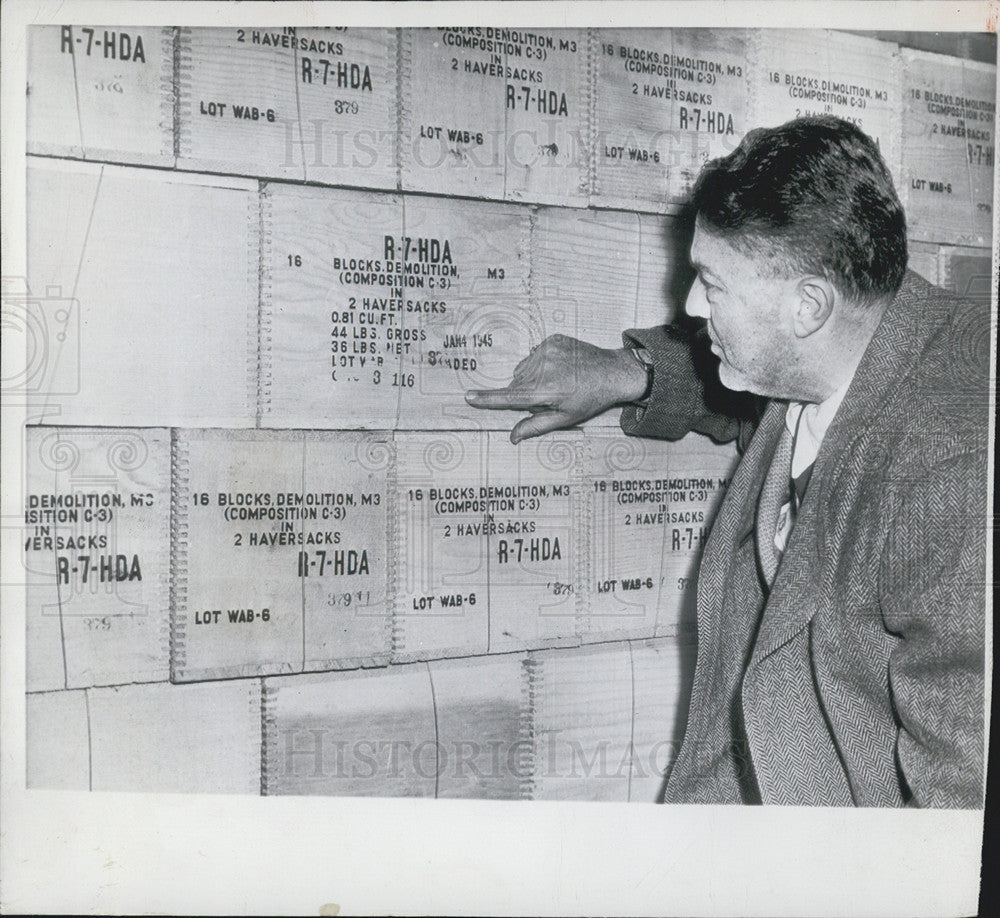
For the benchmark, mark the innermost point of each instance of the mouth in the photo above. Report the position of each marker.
(716, 348)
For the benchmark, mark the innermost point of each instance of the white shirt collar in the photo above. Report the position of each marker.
(816, 418)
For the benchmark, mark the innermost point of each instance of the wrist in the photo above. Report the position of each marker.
(638, 379)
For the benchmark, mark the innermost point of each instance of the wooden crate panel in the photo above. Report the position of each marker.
(350, 734)
(239, 105)
(496, 113)
(585, 270)
(663, 671)
(332, 308)
(949, 139)
(57, 741)
(163, 738)
(99, 92)
(452, 115)
(623, 576)
(238, 587)
(796, 73)
(345, 556)
(548, 116)
(534, 529)
(668, 100)
(479, 705)
(441, 541)
(98, 547)
(462, 330)
(581, 723)
(144, 322)
(346, 84)
(649, 506)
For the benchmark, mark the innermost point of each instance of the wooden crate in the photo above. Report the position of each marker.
(144, 321)
(98, 557)
(350, 734)
(534, 540)
(949, 138)
(923, 258)
(345, 568)
(496, 113)
(281, 556)
(163, 738)
(479, 709)
(330, 326)
(811, 72)
(452, 122)
(440, 545)
(667, 100)
(237, 588)
(101, 93)
(580, 710)
(471, 324)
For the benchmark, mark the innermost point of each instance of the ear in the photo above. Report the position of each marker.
(815, 299)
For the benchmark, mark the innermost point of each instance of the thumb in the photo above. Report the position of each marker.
(538, 424)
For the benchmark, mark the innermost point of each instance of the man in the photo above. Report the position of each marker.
(841, 595)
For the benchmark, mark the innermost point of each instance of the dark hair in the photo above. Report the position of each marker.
(812, 195)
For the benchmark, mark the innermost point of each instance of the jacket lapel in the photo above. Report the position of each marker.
(887, 361)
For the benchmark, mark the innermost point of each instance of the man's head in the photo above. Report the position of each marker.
(800, 241)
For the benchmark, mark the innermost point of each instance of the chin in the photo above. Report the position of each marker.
(732, 380)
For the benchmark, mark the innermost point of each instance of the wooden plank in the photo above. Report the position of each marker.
(535, 528)
(348, 619)
(350, 734)
(479, 705)
(668, 100)
(663, 672)
(585, 268)
(238, 593)
(949, 136)
(99, 556)
(103, 93)
(57, 748)
(161, 315)
(814, 72)
(332, 308)
(441, 580)
(548, 149)
(467, 331)
(239, 108)
(163, 738)
(452, 115)
(581, 723)
(346, 84)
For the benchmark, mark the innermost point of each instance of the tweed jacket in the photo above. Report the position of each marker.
(858, 678)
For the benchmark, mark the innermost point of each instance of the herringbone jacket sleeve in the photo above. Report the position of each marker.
(686, 394)
(932, 592)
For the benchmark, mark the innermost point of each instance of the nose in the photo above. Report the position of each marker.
(696, 304)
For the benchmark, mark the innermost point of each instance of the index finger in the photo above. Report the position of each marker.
(510, 398)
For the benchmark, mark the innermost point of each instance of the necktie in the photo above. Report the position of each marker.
(773, 496)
